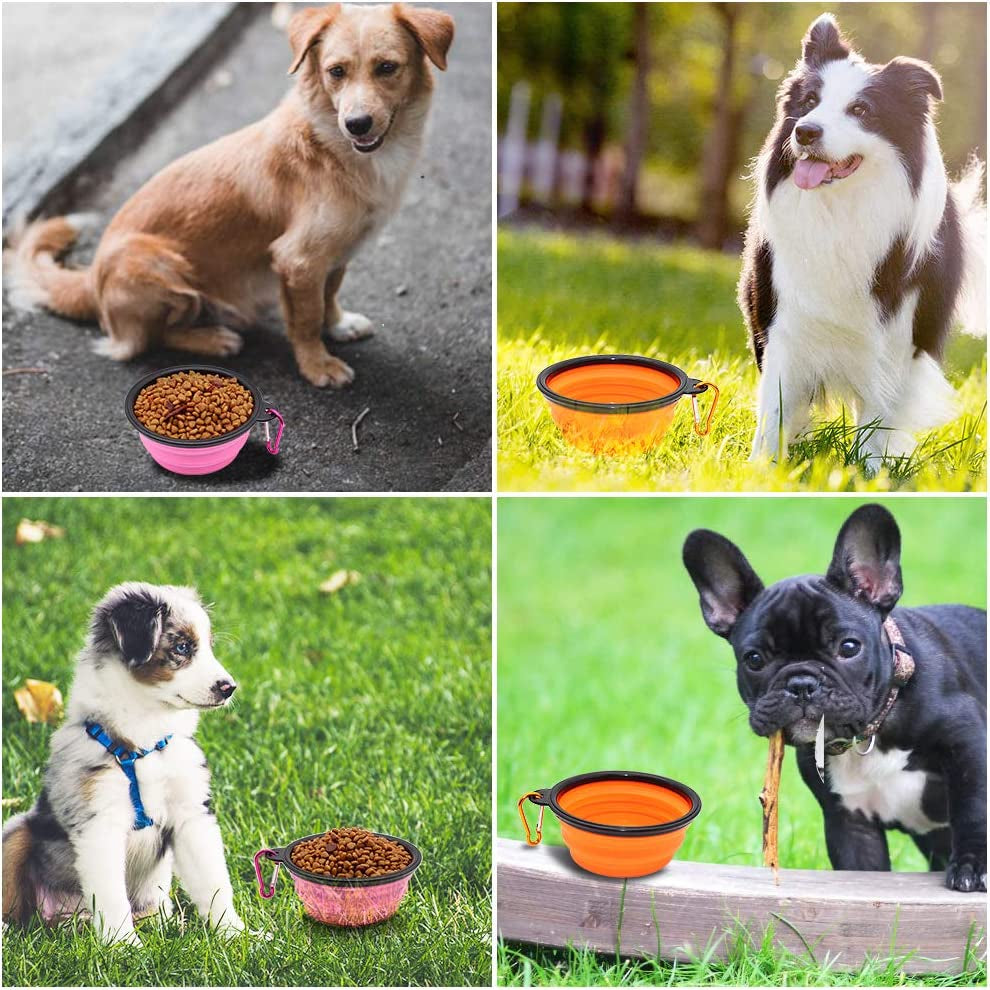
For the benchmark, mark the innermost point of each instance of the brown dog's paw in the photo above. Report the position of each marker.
(210, 341)
(326, 370)
(225, 342)
(351, 326)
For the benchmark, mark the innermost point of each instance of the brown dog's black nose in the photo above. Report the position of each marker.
(358, 126)
(225, 688)
(802, 686)
(807, 133)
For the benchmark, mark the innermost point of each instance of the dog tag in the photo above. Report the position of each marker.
(820, 750)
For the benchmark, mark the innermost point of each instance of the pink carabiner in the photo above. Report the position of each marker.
(267, 891)
(272, 446)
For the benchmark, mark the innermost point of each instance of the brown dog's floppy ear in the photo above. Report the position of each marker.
(433, 30)
(305, 29)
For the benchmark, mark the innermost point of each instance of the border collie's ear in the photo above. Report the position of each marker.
(133, 622)
(433, 30)
(305, 29)
(726, 583)
(866, 562)
(823, 42)
(913, 75)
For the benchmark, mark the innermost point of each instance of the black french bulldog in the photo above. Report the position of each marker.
(811, 645)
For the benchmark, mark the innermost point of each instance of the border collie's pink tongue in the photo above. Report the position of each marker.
(809, 173)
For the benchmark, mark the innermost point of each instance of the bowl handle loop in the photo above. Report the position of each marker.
(272, 446)
(698, 389)
(537, 797)
(267, 891)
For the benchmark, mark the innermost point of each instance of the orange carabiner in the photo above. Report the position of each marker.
(539, 824)
(703, 431)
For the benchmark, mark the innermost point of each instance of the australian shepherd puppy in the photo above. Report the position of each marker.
(860, 254)
(126, 793)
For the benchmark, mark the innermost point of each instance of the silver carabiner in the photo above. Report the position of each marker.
(869, 749)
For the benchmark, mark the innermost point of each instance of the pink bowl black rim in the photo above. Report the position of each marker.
(283, 855)
(258, 413)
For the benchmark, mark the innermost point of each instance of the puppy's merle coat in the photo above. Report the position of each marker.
(144, 675)
(813, 646)
(860, 254)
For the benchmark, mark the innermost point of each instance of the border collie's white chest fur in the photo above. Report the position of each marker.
(880, 786)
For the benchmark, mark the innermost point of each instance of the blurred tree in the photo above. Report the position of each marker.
(722, 146)
(639, 113)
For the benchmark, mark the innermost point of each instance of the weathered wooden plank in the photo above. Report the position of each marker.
(687, 907)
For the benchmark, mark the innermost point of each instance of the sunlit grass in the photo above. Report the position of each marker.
(560, 296)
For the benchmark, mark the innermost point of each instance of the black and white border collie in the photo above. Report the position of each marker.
(146, 672)
(860, 254)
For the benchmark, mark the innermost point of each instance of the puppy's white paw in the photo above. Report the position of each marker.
(352, 326)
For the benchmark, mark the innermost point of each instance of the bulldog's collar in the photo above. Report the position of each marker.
(903, 669)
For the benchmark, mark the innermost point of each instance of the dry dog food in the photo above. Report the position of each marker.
(190, 405)
(351, 853)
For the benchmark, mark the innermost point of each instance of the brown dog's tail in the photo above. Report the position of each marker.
(18, 893)
(34, 276)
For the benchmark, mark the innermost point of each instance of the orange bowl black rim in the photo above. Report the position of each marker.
(685, 385)
(548, 797)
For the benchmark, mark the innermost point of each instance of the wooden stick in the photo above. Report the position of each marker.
(768, 798)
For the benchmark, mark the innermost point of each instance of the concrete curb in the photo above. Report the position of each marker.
(84, 141)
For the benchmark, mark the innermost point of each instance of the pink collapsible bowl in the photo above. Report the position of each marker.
(332, 901)
(203, 456)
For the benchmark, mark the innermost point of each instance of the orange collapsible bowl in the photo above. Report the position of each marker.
(619, 403)
(617, 823)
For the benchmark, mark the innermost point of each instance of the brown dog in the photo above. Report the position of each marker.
(284, 203)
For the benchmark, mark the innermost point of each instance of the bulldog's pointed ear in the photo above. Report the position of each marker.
(824, 42)
(726, 583)
(866, 562)
(131, 619)
(911, 75)
(305, 30)
(433, 30)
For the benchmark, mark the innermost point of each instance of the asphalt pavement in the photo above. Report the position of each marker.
(425, 377)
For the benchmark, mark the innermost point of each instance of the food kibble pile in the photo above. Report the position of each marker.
(351, 853)
(192, 406)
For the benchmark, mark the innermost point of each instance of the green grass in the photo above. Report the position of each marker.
(606, 663)
(560, 296)
(368, 707)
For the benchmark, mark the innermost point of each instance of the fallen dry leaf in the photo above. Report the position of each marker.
(338, 580)
(39, 701)
(34, 531)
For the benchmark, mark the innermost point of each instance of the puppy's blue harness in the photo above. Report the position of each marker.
(126, 758)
